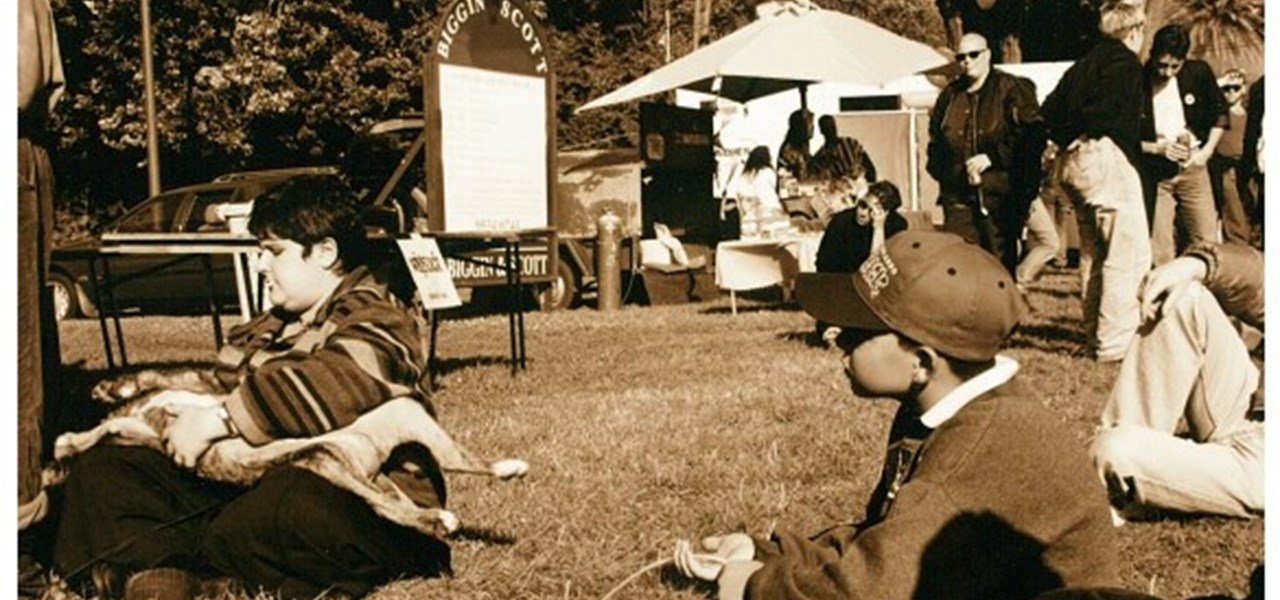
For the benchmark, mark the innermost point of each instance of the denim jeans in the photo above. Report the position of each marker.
(1175, 432)
(1115, 251)
(1188, 196)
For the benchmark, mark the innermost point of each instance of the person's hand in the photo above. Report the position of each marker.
(975, 166)
(734, 547)
(1197, 158)
(878, 214)
(1163, 285)
(1174, 150)
(193, 430)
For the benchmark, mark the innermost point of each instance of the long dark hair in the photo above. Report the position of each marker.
(760, 158)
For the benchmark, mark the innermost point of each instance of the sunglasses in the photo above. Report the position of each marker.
(1232, 88)
(970, 55)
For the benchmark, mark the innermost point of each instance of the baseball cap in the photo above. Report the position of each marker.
(932, 287)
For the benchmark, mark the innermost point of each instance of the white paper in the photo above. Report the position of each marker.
(493, 149)
(430, 273)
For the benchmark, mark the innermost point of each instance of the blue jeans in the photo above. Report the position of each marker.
(1184, 204)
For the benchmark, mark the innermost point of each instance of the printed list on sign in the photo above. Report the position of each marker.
(430, 273)
(493, 149)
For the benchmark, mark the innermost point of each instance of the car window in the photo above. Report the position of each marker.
(200, 217)
(156, 215)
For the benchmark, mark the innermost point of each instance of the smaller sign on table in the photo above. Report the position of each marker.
(430, 273)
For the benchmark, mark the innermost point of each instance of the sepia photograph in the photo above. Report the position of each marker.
(641, 299)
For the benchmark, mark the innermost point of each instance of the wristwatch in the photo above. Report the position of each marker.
(232, 430)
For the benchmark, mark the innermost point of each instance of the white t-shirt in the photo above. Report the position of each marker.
(1166, 105)
(758, 189)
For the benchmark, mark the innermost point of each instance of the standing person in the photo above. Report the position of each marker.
(984, 492)
(1184, 119)
(1043, 244)
(1093, 117)
(40, 83)
(336, 345)
(840, 157)
(793, 156)
(1252, 158)
(1232, 192)
(982, 127)
(756, 190)
(1183, 429)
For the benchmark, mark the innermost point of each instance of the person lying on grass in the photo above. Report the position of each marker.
(1183, 429)
(984, 493)
(335, 346)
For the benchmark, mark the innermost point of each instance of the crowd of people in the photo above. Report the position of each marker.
(983, 493)
(979, 496)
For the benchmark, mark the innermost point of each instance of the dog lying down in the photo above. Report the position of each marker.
(350, 457)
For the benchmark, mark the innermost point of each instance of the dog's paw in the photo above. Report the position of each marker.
(509, 468)
(64, 447)
(115, 391)
(444, 522)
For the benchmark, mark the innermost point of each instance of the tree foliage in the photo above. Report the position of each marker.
(273, 83)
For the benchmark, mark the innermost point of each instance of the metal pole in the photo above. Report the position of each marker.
(153, 145)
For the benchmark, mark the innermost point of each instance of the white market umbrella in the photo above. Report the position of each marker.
(797, 46)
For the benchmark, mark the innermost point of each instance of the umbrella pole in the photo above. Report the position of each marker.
(804, 97)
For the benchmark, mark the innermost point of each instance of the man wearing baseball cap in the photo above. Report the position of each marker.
(983, 493)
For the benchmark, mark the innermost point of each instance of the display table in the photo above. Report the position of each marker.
(182, 246)
(743, 265)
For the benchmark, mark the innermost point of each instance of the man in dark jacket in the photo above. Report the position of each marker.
(983, 128)
(1093, 117)
(1185, 116)
(1183, 428)
(984, 493)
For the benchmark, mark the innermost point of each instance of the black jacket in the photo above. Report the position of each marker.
(1203, 105)
(1008, 129)
(1099, 96)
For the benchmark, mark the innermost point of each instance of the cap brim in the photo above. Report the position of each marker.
(834, 298)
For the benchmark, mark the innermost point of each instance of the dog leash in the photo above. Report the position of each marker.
(129, 541)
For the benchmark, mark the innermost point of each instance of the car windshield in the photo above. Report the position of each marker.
(201, 217)
(153, 216)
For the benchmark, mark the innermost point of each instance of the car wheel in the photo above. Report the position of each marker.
(65, 296)
(562, 292)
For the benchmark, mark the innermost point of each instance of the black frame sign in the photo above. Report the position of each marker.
(490, 102)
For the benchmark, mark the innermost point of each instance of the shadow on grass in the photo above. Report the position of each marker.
(484, 535)
(1051, 337)
(444, 366)
(774, 307)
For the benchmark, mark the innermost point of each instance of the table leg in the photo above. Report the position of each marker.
(733, 301)
(114, 308)
(102, 311)
(433, 364)
(213, 301)
(512, 300)
(519, 303)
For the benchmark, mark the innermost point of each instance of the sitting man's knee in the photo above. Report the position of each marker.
(1115, 450)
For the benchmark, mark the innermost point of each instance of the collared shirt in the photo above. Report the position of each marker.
(999, 374)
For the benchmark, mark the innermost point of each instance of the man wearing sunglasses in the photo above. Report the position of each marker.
(1184, 119)
(1232, 192)
(985, 142)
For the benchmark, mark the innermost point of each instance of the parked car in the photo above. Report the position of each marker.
(154, 281)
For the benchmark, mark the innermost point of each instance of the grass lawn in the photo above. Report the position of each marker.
(657, 423)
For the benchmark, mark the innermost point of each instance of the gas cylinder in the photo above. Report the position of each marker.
(608, 269)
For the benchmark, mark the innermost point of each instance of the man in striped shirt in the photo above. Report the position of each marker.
(335, 345)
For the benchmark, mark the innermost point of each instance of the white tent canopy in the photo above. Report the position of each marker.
(790, 49)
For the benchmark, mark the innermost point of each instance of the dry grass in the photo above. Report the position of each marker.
(656, 423)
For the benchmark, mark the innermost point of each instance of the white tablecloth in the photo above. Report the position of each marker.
(752, 264)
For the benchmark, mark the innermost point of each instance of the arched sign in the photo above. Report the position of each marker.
(490, 104)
